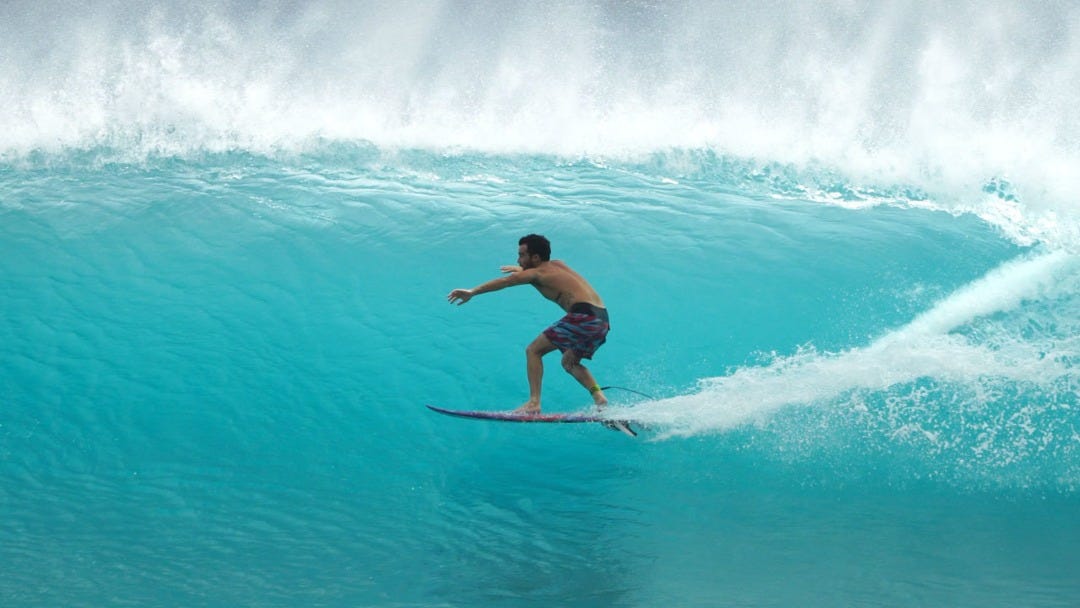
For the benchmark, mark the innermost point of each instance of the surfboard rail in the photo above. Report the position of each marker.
(555, 418)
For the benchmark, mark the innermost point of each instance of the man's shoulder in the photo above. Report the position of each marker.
(552, 268)
(527, 275)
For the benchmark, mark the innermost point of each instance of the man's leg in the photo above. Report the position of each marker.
(571, 362)
(534, 364)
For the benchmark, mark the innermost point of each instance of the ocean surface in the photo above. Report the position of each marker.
(839, 243)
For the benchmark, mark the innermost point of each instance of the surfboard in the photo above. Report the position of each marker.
(616, 425)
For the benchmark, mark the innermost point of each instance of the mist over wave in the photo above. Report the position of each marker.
(950, 97)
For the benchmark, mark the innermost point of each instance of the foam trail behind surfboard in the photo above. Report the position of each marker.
(930, 347)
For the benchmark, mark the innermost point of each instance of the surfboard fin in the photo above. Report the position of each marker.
(620, 426)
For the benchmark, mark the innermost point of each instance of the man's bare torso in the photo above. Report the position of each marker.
(559, 283)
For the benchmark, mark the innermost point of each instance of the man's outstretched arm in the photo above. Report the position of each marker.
(520, 277)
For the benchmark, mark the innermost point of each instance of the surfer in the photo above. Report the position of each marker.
(578, 334)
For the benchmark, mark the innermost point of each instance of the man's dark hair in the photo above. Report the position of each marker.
(536, 244)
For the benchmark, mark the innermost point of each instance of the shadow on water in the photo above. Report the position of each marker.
(533, 518)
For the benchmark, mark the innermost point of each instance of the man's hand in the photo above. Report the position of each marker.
(459, 296)
(510, 269)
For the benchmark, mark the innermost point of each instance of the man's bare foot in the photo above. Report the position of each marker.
(529, 407)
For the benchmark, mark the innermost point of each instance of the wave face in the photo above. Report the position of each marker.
(839, 246)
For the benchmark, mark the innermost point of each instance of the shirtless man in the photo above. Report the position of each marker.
(577, 335)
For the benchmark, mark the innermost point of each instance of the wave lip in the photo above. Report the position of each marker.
(862, 84)
(981, 119)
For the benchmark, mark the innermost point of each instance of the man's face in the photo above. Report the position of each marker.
(524, 259)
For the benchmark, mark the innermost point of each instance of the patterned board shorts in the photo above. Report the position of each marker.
(582, 330)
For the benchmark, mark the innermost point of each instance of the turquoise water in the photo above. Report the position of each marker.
(855, 305)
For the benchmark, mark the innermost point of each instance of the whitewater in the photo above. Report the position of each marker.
(839, 243)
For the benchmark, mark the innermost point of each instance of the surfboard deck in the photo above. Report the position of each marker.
(502, 416)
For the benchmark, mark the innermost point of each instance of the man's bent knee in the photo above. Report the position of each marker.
(539, 347)
(570, 360)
